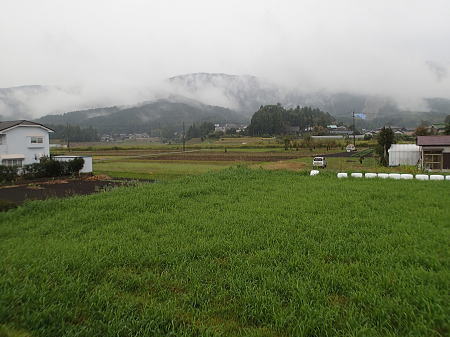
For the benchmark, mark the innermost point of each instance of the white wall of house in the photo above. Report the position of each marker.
(18, 141)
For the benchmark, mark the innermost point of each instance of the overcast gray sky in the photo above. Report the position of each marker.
(394, 47)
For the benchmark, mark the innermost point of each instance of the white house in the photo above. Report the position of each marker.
(23, 142)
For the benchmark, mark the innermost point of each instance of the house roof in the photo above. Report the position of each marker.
(10, 124)
(433, 140)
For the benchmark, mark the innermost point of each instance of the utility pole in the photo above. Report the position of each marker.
(354, 130)
(67, 134)
(184, 139)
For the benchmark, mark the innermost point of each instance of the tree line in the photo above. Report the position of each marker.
(74, 133)
(199, 130)
(274, 120)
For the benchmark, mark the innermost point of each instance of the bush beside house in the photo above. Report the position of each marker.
(46, 168)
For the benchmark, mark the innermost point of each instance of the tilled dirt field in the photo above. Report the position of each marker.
(200, 155)
(54, 189)
(225, 156)
(113, 153)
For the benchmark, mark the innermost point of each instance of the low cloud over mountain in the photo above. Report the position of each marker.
(242, 94)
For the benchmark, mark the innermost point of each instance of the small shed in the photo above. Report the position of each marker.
(435, 152)
(404, 154)
(87, 167)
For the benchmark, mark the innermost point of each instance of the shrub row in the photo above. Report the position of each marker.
(7, 174)
(46, 168)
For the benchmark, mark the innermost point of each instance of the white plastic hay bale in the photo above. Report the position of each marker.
(314, 172)
(406, 176)
(394, 175)
(356, 175)
(436, 177)
(447, 178)
(370, 175)
(383, 175)
(422, 177)
(342, 175)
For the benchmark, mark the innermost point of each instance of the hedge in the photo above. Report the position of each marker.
(46, 168)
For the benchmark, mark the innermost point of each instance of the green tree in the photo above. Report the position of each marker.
(422, 130)
(385, 139)
(447, 129)
(75, 133)
(206, 128)
(447, 125)
(193, 132)
(200, 131)
(74, 166)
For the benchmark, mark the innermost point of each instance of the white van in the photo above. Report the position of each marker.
(350, 148)
(319, 162)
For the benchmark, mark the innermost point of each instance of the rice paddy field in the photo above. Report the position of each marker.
(235, 252)
(164, 162)
(164, 170)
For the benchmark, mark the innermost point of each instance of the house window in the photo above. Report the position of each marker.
(12, 162)
(432, 160)
(2, 139)
(37, 140)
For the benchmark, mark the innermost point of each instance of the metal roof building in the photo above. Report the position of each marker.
(435, 152)
(404, 154)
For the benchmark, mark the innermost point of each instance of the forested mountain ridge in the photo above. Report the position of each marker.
(246, 94)
(163, 114)
(243, 94)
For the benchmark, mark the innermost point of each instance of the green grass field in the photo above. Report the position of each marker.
(147, 165)
(155, 169)
(118, 167)
(237, 252)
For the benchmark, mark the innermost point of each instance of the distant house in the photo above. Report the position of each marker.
(409, 132)
(340, 130)
(437, 128)
(23, 142)
(435, 152)
(221, 128)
